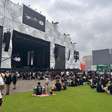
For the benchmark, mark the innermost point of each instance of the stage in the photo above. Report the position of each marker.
(29, 52)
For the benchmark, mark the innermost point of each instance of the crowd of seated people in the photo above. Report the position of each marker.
(49, 87)
(102, 83)
(55, 81)
(59, 81)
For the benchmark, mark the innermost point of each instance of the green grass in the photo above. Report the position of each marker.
(80, 99)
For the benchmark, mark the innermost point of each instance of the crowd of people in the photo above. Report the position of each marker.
(56, 81)
(61, 80)
(6, 78)
(102, 83)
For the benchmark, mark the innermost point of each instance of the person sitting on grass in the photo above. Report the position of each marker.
(63, 84)
(73, 82)
(93, 83)
(42, 90)
(58, 85)
(100, 87)
(39, 89)
(110, 88)
(47, 88)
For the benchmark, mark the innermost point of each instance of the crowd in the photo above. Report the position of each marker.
(61, 80)
(56, 81)
(102, 83)
(5, 81)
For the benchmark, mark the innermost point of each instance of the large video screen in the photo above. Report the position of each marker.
(33, 18)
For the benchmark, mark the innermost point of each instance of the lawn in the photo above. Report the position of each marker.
(79, 99)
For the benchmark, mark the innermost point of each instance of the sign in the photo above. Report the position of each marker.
(33, 18)
(103, 68)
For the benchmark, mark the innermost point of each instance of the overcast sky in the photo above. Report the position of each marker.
(89, 22)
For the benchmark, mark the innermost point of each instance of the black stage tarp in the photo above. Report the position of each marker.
(59, 53)
(29, 52)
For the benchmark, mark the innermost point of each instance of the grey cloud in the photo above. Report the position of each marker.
(103, 3)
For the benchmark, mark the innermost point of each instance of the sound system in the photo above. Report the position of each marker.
(6, 40)
(59, 56)
(76, 55)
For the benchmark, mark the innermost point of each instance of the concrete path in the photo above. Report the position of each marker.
(24, 86)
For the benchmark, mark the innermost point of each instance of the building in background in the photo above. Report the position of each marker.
(30, 40)
(102, 59)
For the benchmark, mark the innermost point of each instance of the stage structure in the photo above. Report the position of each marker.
(29, 40)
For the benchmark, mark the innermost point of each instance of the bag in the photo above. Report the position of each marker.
(1, 101)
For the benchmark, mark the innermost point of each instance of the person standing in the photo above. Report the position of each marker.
(14, 80)
(1, 88)
(7, 82)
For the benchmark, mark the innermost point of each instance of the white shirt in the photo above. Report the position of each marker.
(0, 95)
(1, 81)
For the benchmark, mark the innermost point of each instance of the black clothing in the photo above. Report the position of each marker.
(58, 86)
(14, 79)
(7, 79)
(39, 90)
(1, 101)
(99, 88)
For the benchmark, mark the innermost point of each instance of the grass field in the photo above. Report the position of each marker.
(79, 99)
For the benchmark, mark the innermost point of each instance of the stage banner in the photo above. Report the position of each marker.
(33, 18)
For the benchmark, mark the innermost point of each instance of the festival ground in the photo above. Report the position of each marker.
(78, 99)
